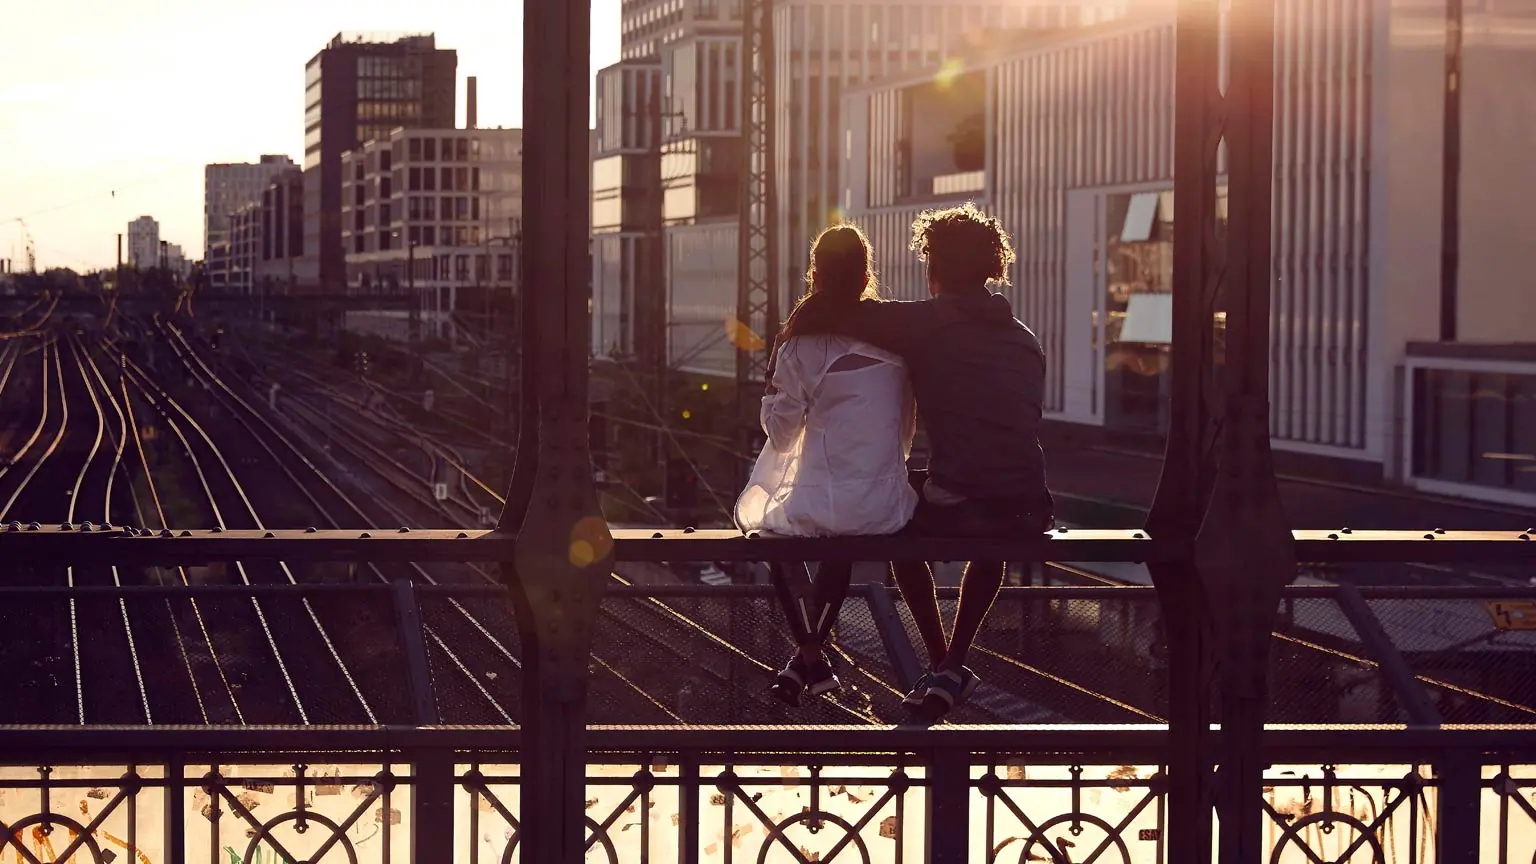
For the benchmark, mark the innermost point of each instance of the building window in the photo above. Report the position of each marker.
(503, 266)
(385, 187)
(462, 148)
(447, 209)
(429, 150)
(482, 268)
(447, 185)
(429, 233)
(384, 157)
(413, 208)
(414, 148)
(358, 245)
(461, 211)
(461, 179)
(474, 179)
(429, 208)
(447, 149)
(414, 234)
(474, 208)
(1475, 427)
(461, 267)
(474, 149)
(357, 221)
(358, 196)
(384, 215)
(384, 240)
(414, 178)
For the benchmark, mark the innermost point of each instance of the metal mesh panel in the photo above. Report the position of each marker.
(40, 686)
(1321, 673)
(703, 660)
(1044, 660)
(475, 658)
(1476, 673)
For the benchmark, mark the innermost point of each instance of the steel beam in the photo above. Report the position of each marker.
(53, 546)
(1395, 671)
(562, 551)
(1139, 744)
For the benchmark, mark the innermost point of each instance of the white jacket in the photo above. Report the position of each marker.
(838, 440)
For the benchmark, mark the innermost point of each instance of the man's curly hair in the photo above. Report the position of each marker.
(963, 247)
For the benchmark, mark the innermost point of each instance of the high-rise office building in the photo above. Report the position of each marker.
(357, 88)
(227, 187)
(144, 242)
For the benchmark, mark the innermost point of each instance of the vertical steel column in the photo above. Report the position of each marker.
(1189, 461)
(432, 795)
(1460, 816)
(949, 807)
(1245, 553)
(563, 550)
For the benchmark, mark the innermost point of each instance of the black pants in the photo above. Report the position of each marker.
(821, 603)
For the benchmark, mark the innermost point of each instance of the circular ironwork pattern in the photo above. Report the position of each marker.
(1077, 820)
(776, 832)
(1292, 834)
(597, 830)
(46, 826)
(265, 831)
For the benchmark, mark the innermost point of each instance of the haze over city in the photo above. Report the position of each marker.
(97, 98)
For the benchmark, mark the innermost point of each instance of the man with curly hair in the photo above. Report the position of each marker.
(979, 377)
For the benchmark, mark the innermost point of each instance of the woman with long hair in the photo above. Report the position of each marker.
(839, 418)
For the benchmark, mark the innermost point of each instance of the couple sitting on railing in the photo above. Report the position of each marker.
(840, 420)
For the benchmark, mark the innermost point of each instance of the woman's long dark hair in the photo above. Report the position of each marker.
(842, 273)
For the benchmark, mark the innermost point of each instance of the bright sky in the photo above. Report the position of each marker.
(99, 96)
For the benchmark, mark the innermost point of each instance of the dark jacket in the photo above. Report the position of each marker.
(979, 377)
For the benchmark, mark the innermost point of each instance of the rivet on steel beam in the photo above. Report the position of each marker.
(217, 529)
(1429, 536)
(1439, 530)
(33, 526)
(365, 536)
(752, 536)
(1347, 531)
(1061, 530)
(186, 534)
(66, 527)
(87, 526)
(1138, 536)
(311, 530)
(268, 536)
(1525, 536)
(656, 536)
(128, 530)
(404, 530)
(463, 535)
(15, 526)
(106, 526)
(689, 530)
(165, 532)
(1333, 536)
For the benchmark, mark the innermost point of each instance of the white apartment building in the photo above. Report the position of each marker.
(1068, 137)
(144, 243)
(435, 211)
(227, 187)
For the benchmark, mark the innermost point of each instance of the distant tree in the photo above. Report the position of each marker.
(968, 143)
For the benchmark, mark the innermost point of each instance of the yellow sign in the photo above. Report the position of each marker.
(1512, 614)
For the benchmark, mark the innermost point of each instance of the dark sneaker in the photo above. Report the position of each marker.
(948, 690)
(913, 701)
(800, 680)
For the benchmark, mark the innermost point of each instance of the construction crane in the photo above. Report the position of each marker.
(757, 297)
